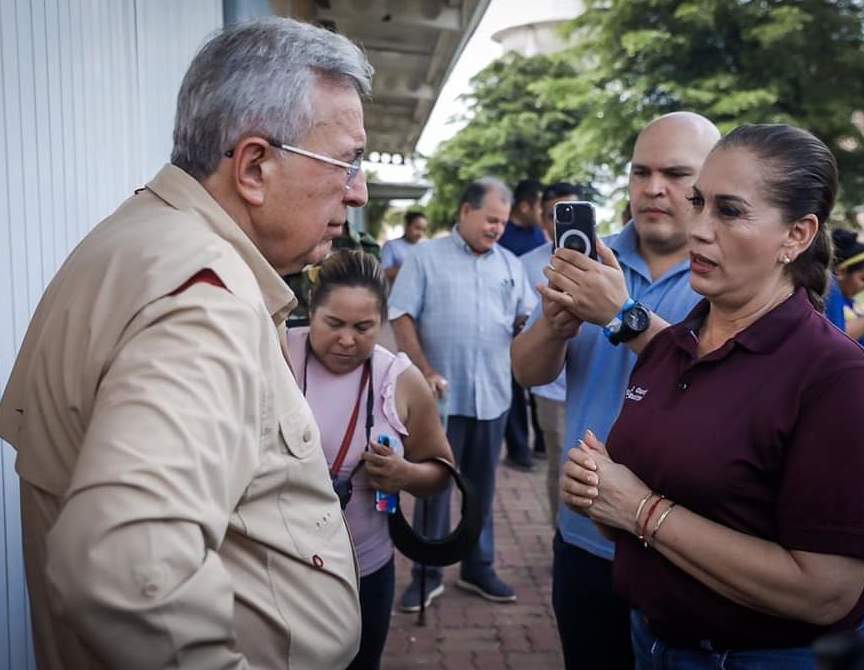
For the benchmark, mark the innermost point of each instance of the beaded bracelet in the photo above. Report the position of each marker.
(651, 509)
(659, 523)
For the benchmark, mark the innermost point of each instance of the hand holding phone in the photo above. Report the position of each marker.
(575, 222)
(385, 502)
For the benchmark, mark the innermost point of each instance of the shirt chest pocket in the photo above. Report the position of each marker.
(500, 298)
(297, 436)
(308, 507)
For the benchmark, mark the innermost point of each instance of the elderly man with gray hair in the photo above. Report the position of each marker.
(455, 306)
(177, 510)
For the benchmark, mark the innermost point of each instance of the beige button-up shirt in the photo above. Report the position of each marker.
(176, 503)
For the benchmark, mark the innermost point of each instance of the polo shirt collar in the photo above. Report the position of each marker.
(761, 337)
(626, 248)
(460, 243)
(183, 192)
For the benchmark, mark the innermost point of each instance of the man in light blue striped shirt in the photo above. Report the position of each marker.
(454, 308)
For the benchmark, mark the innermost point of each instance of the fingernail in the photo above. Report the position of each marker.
(593, 479)
(593, 492)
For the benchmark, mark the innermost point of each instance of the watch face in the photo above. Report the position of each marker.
(637, 319)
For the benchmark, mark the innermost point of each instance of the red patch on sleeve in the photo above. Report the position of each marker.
(206, 276)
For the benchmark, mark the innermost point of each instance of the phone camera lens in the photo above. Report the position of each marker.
(565, 213)
(576, 243)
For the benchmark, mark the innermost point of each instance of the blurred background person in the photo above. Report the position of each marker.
(846, 284)
(523, 233)
(394, 252)
(340, 369)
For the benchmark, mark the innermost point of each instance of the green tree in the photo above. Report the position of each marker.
(509, 133)
(735, 61)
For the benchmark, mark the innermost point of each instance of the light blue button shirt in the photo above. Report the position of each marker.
(534, 262)
(597, 372)
(395, 252)
(464, 306)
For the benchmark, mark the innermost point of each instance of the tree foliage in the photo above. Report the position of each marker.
(575, 115)
(509, 133)
(735, 61)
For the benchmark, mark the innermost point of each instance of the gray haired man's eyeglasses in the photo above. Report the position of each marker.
(352, 169)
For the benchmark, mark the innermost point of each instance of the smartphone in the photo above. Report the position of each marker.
(575, 222)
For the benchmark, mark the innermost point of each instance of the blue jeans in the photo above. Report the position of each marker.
(653, 654)
(476, 447)
(376, 603)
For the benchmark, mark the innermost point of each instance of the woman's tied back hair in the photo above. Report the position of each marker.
(349, 268)
(800, 178)
(256, 78)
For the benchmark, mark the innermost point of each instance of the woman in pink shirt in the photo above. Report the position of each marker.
(335, 360)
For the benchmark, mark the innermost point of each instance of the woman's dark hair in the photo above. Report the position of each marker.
(846, 247)
(801, 179)
(349, 268)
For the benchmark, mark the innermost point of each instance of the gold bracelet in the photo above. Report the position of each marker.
(659, 523)
(639, 509)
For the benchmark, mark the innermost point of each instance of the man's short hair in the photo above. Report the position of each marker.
(527, 190)
(412, 216)
(563, 189)
(256, 78)
(476, 191)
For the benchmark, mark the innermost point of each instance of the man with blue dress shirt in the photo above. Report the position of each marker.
(454, 307)
(589, 310)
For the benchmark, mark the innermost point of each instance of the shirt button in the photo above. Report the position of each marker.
(683, 386)
(307, 435)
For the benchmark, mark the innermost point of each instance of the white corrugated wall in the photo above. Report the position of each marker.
(87, 92)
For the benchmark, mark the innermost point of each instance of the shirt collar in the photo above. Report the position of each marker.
(181, 191)
(626, 247)
(762, 336)
(460, 242)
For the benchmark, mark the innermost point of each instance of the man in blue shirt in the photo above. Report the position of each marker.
(582, 307)
(395, 251)
(523, 233)
(454, 308)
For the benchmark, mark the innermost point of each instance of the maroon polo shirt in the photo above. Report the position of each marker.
(765, 436)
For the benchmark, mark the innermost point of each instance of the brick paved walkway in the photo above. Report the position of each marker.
(464, 631)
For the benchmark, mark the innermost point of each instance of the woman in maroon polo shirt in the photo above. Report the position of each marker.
(732, 484)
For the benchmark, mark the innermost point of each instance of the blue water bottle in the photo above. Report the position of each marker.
(385, 502)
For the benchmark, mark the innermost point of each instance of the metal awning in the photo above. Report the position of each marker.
(397, 191)
(413, 45)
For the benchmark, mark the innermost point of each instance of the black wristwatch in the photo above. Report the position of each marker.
(633, 320)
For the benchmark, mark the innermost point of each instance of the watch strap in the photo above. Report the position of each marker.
(611, 329)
